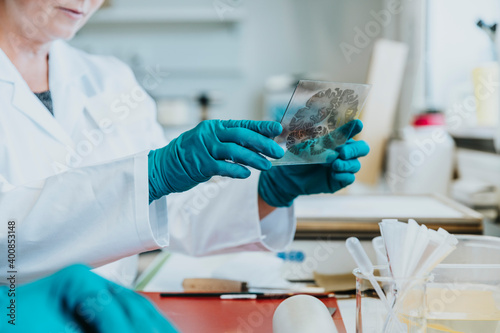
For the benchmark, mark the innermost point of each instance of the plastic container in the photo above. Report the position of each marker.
(421, 161)
(471, 250)
(464, 295)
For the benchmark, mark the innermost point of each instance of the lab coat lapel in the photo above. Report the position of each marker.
(66, 76)
(70, 102)
(26, 102)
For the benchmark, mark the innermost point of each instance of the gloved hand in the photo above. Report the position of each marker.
(76, 300)
(279, 186)
(206, 151)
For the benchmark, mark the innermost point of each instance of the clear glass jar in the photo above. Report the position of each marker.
(404, 307)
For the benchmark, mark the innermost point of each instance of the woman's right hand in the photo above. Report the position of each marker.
(214, 147)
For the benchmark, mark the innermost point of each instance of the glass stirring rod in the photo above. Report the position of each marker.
(366, 267)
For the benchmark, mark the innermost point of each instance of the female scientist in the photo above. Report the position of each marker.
(85, 170)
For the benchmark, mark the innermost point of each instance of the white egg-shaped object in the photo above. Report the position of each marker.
(303, 314)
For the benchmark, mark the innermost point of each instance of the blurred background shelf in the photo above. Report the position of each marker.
(479, 138)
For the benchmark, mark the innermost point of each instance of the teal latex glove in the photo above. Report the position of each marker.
(209, 150)
(77, 300)
(279, 186)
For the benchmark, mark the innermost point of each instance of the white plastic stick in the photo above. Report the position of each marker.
(366, 267)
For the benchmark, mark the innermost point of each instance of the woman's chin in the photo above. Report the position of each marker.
(67, 36)
(64, 32)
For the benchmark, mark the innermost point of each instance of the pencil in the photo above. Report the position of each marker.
(246, 295)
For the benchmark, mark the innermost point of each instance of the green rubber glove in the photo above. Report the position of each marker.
(77, 300)
(279, 186)
(214, 147)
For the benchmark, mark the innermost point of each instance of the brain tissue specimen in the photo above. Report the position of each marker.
(311, 126)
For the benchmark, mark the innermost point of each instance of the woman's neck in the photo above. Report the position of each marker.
(29, 56)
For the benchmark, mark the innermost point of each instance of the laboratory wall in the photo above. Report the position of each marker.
(229, 48)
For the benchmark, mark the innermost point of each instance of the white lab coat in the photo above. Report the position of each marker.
(76, 184)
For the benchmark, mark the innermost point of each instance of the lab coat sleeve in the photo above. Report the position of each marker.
(218, 216)
(92, 215)
(222, 216)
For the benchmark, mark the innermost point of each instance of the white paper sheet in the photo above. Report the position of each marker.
(376, 207)
(258, 269)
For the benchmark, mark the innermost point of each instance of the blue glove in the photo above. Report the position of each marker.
(76, 300)
(279, 186)
(214, 147)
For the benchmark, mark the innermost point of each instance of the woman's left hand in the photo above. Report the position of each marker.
(77, 300)
(279, 186)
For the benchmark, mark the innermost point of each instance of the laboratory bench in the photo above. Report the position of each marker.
(213, 315)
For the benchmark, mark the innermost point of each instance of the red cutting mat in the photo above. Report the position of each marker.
(213, 315)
